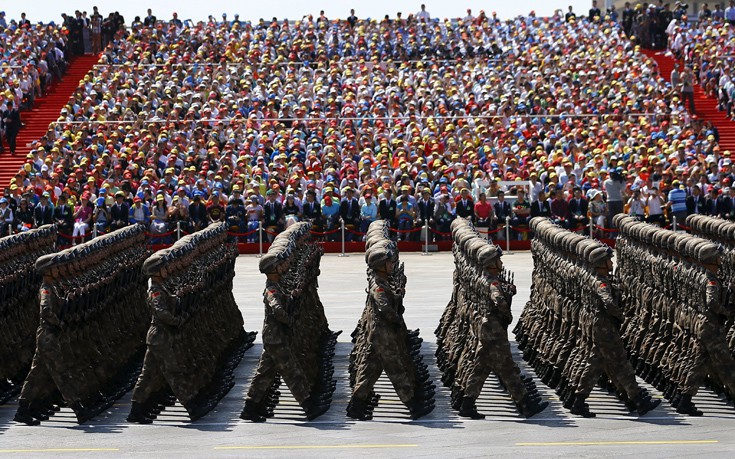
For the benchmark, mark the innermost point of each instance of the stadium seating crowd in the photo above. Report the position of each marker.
(183, 123)
(32, 56)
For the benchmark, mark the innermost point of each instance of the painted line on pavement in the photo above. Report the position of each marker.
(620, 443)
(317, 447)
(59, 450)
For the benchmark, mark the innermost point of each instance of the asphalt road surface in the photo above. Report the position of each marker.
(553, 433)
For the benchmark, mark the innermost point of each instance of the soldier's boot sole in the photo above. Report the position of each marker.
(26, 418)
(647, 406)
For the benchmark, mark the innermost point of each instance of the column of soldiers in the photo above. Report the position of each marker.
(19, 285)
(93, 318)
(196, 337)
(297, 343)
(472, 337)
(569, 329)
(721, 232)
(382, 342)
(676, 311)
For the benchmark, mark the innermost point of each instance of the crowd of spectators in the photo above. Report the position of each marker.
(416, 120)
(706, 48)
(31, 55)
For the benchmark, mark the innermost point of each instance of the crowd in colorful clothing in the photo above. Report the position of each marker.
(414, 120)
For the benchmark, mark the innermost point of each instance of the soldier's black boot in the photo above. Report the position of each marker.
(83, 413)
(138, 414)
(555, 378)
(358, 409)
(419, 408)
(644, 403)
(469, 410)
(530, 406)
(580, 408)
(456, 397)
(24, 416)
(687, 407)
(314, 408)
(251, 412)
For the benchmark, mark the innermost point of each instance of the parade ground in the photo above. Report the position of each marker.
(504, 433)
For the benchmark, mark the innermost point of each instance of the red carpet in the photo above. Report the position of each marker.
(706, 107)
(46, 110)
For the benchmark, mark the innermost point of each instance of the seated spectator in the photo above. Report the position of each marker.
(6, 217)
(598, 213)
(139, 213)
(521, 214)
(578, 210)
(387, 208)
(425, 212)
(405, 216)
(272, 214)
(696, 202)
(542, 206)
(368, 212)
(119, 212)
(484, 214)
(330, 213)
(23, 216)
(44, 211)
(637, 205)
(101, 216)
(178, 213)
(655, 205)
(82, 219)
(159, 216)
(312, 210)
(503, 212)
(254, 213)
(465, 207)
(443, 216)
(198, 216)
(64, 216)
(349, 211)
(291, 210)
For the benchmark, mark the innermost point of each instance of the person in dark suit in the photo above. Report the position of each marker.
(724, 207)
(541, 207)
(387, 208)
(349, 211)
(43, 214)
(64, 216)
(502, 210)
(149, 20)
(312, 210)
(198, 212)
(272, 214)
(559, 208)
(711, 202)
(730, 198)
(465, 207)
(119, 212)
(12, 122)
(24, 23)
(578, 207)
(696, 202)
(425, 211)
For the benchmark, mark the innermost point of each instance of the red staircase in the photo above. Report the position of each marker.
(706, 107)
(46, 110)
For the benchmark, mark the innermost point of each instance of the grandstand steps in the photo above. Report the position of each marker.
(45, 111)
(706, 107)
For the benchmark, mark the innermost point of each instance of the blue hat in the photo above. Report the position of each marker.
(103, 190)
(3, 201)
(100, 202)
